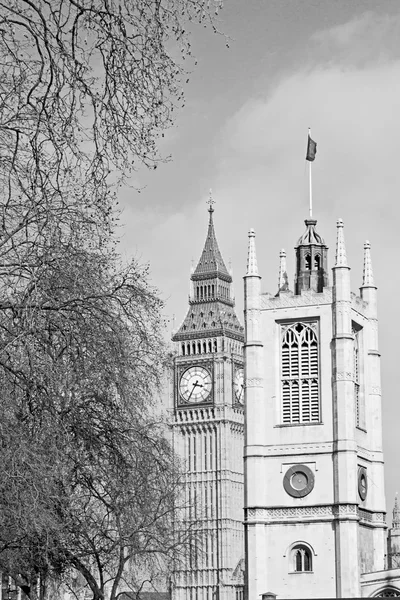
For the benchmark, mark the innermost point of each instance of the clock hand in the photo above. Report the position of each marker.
(194, 385)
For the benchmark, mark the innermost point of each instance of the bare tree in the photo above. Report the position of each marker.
(88, 483)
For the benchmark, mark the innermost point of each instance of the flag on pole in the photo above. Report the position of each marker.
(311, 149)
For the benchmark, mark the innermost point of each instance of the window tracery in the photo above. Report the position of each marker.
(301, 559)
(300, 373)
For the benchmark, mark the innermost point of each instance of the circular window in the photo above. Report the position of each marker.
(298, 481)
(362, 483)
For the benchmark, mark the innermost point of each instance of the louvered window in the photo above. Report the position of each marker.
(358, 394)
(300, 373)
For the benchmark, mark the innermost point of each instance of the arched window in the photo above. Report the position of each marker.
(194, 348)
(212, 290)
(317, 262)
(300, 373)
(183, 350)
(215, 346)
(307, 262)
(205, 347)
(188, 349)
(388, 593)
(359, 403)
(301, 559)
(209, 346)
(198, 347)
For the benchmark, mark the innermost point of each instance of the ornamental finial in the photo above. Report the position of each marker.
(210, 201)
(252, 268)
(341, 258)
(368, 275)
(283, 282)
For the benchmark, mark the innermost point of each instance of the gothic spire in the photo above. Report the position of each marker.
(211, 261)
(368, 275)
(283, 282)
(252, 268)
(211, 302)
(341, 258)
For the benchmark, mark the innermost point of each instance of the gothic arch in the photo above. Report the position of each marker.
(387, 592)
(300, 557)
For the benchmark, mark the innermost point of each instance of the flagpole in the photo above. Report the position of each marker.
(310, 178)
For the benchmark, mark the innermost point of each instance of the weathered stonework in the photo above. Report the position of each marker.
(320, 415)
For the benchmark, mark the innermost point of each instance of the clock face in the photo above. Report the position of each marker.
(362, 483)
(238, 385)
(298, 481)
(195, 384)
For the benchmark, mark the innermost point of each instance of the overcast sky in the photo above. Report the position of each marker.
(333, 66)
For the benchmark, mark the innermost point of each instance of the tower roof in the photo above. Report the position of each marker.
(211, 302)
(211, 261)
(310, 236)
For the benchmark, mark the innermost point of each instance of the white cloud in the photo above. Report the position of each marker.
(368, 38)
(352, 103)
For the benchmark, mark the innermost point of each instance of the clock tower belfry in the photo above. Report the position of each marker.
(208, 425)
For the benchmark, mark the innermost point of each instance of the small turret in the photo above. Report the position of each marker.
(368, 276)
(341, 257)
(252, 268)
(368, 290)
(311, 260)
(283, 282)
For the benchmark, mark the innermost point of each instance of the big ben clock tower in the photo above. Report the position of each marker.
(208, 418)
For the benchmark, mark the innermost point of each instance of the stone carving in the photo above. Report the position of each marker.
(358, 304)
(375, 389)
(371, 517)
(345, 510)
(302, 512)
(253, 382)
(344, 376)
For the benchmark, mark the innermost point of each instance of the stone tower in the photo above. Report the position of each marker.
(314, 489)
(208, 429)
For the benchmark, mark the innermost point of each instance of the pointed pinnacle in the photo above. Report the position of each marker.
(210, 201)
(341, 258)
(368, 275)
(396, 514)
(252, 268)
(283, 278)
